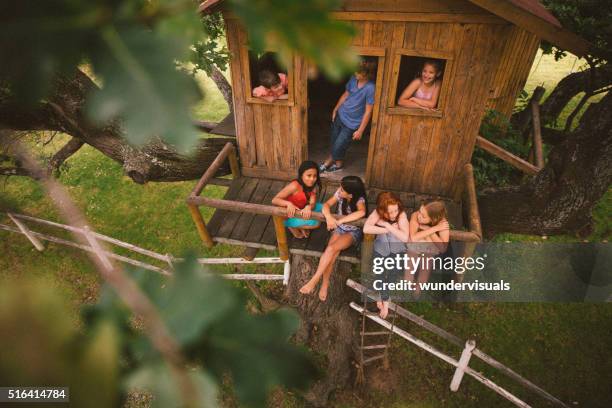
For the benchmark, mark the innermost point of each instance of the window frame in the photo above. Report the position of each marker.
(392, 108)
(248, 90)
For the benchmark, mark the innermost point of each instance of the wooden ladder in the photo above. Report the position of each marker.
(366, 347)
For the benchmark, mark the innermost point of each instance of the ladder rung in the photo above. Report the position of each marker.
(376, 346)
(371, 359)
(376, 333)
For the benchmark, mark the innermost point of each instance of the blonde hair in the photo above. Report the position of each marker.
(436, 211)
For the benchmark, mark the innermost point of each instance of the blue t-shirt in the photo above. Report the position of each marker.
(352, 110)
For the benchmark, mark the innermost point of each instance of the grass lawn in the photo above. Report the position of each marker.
(565, 348)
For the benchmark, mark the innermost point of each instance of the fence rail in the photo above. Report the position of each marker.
(195, 200)
(35, 238)
(451, 338)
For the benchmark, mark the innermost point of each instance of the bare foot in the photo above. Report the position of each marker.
(296, 233)
(323, 291)
(307, 289)
(306, 233)
(385, 310)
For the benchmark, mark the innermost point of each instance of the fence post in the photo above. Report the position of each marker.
(286, 272)
(233, 162)
(367, 250)
(281, 237)
(466, 354)
(199, 222)
(537, 134)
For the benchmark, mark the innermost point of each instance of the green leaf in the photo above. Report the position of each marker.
(143, 87)
(40, 39)
(257, 353)
(306, 27)
(157, 379)
(191, 300)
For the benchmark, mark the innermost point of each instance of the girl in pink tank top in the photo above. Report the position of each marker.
(423, 92)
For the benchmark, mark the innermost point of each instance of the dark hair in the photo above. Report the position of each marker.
(368, 66)
(383, 201)
(307, 165)
(268, 78)
(354, 186)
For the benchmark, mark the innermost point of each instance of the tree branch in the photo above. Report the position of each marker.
(70, 148)
(64, 111)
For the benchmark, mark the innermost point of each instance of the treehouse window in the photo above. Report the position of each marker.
(266, 80)
(419, 86)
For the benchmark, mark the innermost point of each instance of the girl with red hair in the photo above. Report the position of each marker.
(389, 223)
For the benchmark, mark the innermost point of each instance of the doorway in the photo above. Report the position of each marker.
(323, 94)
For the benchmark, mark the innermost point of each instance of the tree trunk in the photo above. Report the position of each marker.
(329, 328)
(224, 87)
(591, 79)
(64, 112)
(560, 198)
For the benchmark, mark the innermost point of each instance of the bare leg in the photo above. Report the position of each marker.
(328, 161)
(329, 255)
(296, 232)
(344, 241)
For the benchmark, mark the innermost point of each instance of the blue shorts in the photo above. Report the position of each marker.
(356, 234)
(300, 222)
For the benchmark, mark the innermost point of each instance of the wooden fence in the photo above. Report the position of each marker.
(36, 239)
(535, 162)
(469, 350)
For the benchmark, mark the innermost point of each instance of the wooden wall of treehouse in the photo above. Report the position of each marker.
(409, 150)
(514, 66)
(272, 137)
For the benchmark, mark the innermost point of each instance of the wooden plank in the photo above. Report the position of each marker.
(506, 156)
(418, 17)
(263, 229)
(413, 6)
(244, 222)
(555, 34)
(218, 216)
(230, 220)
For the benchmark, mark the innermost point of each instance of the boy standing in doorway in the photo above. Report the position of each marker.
(351, 114)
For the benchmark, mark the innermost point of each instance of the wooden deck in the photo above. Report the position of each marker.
(257, 231)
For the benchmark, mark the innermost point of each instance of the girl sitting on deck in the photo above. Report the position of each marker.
(300, 197)
(389, 223)
(351, 206)
(429, 235)
(423, 91)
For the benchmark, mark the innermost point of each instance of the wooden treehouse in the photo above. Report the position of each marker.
(486, 49)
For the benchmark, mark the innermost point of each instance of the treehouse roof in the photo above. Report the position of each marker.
(529, 15)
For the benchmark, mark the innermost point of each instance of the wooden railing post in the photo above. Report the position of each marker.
(233, 162)
(367, 251)
(537, 134)
(466, 354)
(25, 230)
(281, 237)
(199, 222)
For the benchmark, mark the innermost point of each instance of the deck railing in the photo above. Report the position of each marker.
(278, 214)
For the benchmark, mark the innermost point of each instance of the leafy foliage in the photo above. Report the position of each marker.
(590, 19)
(133, 46)
(285, 26)
(489, 170)
(208, 317)
(210, 51)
